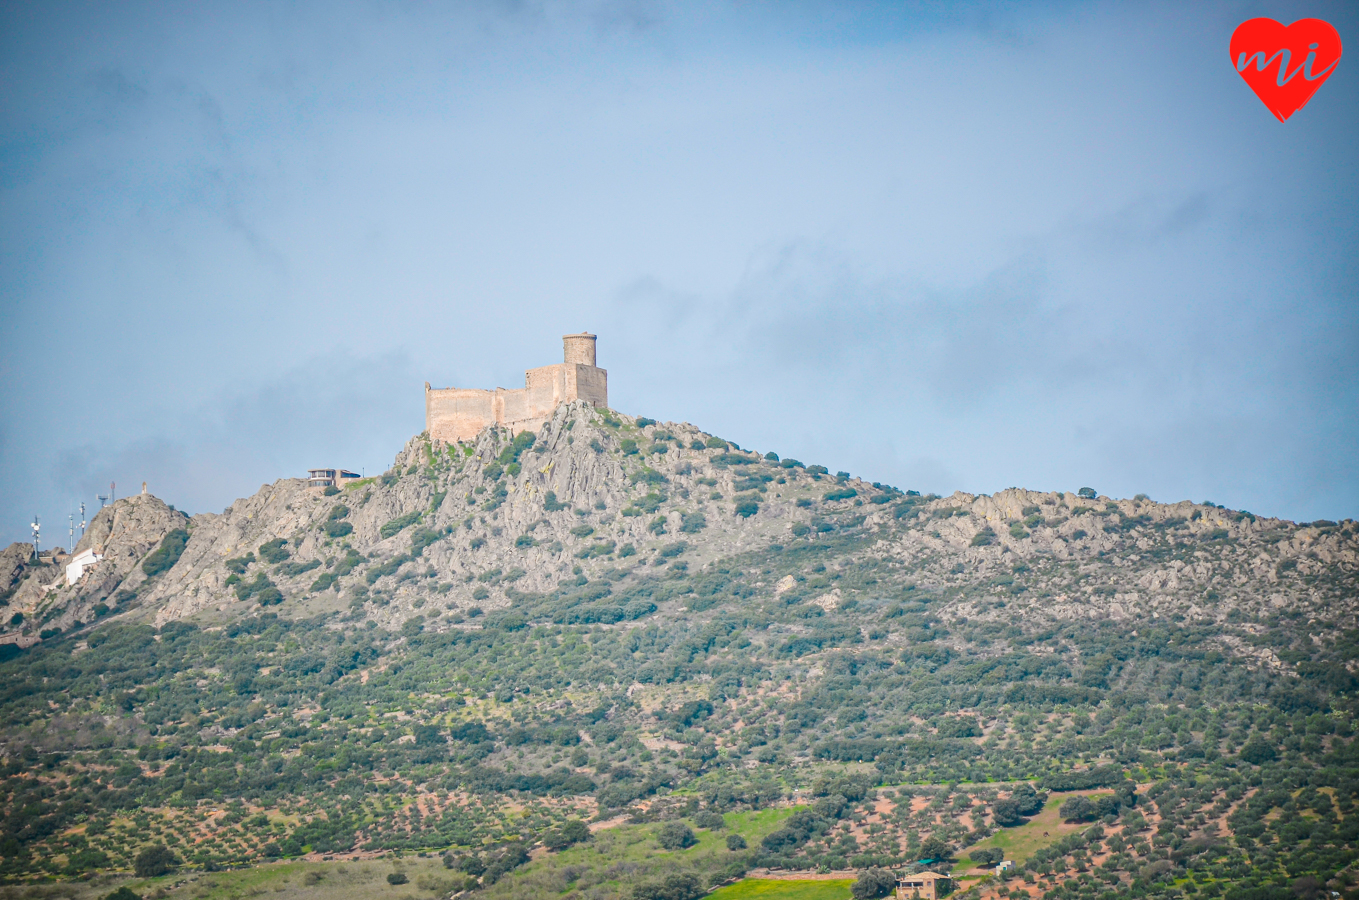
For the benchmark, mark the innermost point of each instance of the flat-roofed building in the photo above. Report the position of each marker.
(79, 563)
(922, 885)
(331, 477)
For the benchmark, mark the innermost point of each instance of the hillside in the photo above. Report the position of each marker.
(637, 624)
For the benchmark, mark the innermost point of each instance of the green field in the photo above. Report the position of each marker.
(775, 889)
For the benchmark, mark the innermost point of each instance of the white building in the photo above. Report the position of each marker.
(79, 563)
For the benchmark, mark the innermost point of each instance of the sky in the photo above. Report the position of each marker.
(944, 247)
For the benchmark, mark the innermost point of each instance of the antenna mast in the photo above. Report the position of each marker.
(37, 528)
(71, 517)
(82, 518)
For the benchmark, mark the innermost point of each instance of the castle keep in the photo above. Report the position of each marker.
(459, 414)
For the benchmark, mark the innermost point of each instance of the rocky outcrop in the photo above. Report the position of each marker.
(123, 534)
(13, 560)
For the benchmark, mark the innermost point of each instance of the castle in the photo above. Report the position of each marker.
(459, 414)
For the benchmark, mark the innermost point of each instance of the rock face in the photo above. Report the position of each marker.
(456, 530)
(14, 559)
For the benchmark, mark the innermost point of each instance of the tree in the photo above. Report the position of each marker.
(153, 861)
(1086, 493)
(735, 842)
(934, 848)
(873, 883)
(674, 887)
(1257, 751)
(987, 856)
(123, 893)
(396, 878)
(675, 836)
(1077, 809)
(573, 832)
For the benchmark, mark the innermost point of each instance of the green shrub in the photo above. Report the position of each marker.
(551, 504)
(716, 443)
(984, 537)
(772, 456)
(735, 842)
(1257, 751)
(583, 531)
(338, 529)
(874, 883)
(682, 886)
(272, 551)
(324, 582)
(843, 494)
(692, 523)
(643, 422)
(395, 878)
(164, 557)
(710, 819)
(647, 475)
(987, 856)
(803, 503)
(330, 491)
(696, 445)
(818, 470)
(154, 861)
(573, 832)
(746, 508)
(238, 564)
(293, 569)
(675, 836)
(247, 589)
(627, 550)
(396, 525)
(628, 446)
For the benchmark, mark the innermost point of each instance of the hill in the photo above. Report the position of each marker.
(644, 627)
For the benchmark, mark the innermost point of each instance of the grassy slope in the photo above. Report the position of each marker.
(772, 889)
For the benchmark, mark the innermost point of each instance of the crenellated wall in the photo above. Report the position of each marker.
(459, 414)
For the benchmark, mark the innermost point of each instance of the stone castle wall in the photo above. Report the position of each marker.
(459, 414)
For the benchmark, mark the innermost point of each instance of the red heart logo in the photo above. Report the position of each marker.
(1285, 66)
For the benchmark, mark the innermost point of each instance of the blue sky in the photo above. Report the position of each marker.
(962, 247)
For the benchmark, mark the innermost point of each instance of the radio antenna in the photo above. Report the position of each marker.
(37, 529)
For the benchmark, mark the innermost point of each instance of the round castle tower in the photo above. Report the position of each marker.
(579, 348)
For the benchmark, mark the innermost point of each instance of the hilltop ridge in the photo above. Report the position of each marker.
(486, 523)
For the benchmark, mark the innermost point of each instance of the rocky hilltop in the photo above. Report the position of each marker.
(620, 659)
(466, 529)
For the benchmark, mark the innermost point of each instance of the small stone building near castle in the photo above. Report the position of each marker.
(459, 414)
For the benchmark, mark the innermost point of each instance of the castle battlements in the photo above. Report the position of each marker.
(459, 414)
